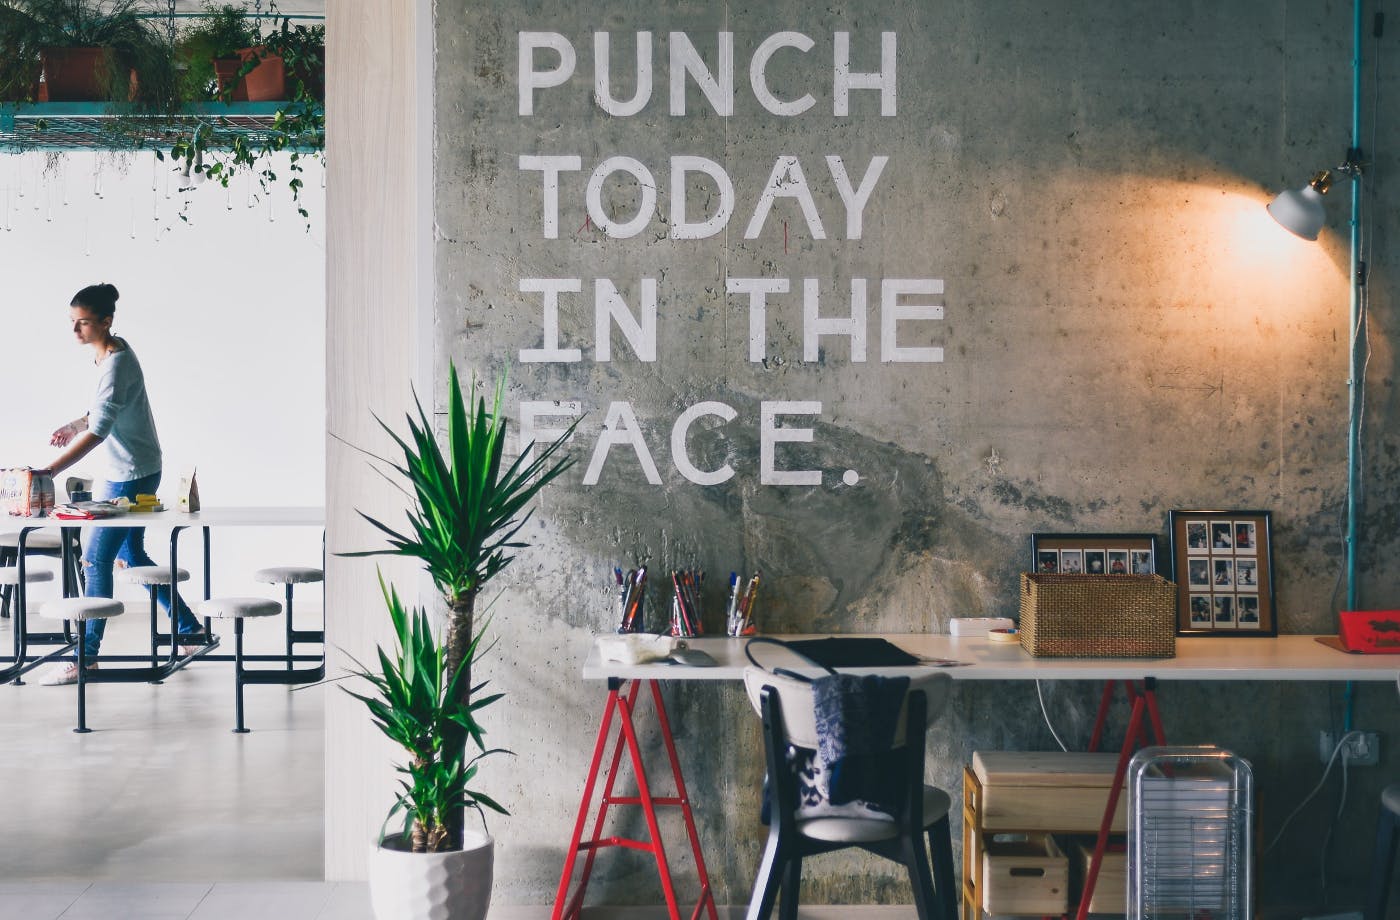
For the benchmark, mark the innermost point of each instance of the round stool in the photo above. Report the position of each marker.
(38, 543)
(238, 609)
(290, 575)
(9, 576)
(40, 540)
(82, 609)
(152, 577)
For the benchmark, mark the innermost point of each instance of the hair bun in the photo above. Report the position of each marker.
(110, 290)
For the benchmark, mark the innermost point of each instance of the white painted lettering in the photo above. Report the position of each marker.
(645, 208)
(845, 80)
(620, 427)
(686, 60)
(855, 200)
(549, 188)
(680, 456)
(609, 309)
(770, 435)
(892, 312)
(551, 288)
(681, 226)
(758, 76)
(758, 290)
(531, 79)
(814, 326)
(531, 432)
(602, 76)
(786, 181)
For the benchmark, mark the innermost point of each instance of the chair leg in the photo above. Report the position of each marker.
(770, 874)
(1382, 865)
(911, 850)
(792, 884)
(940, 845)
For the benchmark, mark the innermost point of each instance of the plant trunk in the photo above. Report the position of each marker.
(459, 642)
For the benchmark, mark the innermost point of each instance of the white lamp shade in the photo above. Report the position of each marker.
(1300, 212)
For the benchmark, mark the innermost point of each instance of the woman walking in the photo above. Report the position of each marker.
(120, 422)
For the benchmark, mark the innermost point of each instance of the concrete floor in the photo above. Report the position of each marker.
(161, 790)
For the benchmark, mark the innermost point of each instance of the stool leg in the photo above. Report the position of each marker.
(82, 728)
(155, 629)
(289, 626)
(241, 729)
(1382, 865)
(8, 557)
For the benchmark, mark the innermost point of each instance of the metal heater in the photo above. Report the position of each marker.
(1191, 810)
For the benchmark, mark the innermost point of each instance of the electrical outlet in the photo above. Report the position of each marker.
(1363, 749)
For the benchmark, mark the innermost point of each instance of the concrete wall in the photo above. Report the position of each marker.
(1123, 333)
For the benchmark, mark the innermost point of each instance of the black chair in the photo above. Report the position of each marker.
(786, 706)
(1383, 862)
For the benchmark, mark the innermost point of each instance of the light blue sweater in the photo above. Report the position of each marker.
(121, 416)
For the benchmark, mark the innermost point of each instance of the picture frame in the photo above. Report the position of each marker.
(1223, 565)
(1094, 553)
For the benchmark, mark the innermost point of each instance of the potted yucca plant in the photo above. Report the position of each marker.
(468, 505)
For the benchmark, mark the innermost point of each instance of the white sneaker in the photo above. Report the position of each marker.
(68, 675)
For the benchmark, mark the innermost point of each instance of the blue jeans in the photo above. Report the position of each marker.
(109, 544)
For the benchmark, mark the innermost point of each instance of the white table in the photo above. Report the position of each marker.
(177, 522)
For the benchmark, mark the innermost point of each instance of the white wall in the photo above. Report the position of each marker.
(226, 311)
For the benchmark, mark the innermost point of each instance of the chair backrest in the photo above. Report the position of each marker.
(799, 714)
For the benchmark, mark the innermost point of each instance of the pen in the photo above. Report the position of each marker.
(730, 623)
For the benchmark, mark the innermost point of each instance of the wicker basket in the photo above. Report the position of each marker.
(1098, 616)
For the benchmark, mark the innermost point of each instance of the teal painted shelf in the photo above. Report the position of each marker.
(52, 126)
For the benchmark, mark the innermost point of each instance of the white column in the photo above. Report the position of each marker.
(378, 342)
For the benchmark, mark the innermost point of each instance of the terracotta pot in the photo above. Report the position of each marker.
(74, 74)
(267, 82)
(431, 886)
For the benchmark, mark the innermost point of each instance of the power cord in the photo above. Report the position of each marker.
(1056, 735)
(1336, 751)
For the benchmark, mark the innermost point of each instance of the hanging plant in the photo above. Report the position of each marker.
(214, 152)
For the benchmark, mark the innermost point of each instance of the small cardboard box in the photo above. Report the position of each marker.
(1111, 888)
(1024, 874)
(1047, 791)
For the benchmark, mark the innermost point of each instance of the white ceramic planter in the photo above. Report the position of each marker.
(432, 886)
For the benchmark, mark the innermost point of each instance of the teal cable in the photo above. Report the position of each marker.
(1355, 383)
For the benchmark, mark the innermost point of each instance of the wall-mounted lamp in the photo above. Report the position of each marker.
(1302, 212)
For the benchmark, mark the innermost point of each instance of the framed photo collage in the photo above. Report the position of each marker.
(1223, 566)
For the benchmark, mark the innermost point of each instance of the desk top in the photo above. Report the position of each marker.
(283, 516)
(1289, 658)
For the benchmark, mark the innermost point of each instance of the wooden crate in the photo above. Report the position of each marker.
(1046, 791)
(1024, 874)
(1111, 889)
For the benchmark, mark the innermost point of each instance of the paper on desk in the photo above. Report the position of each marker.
(635, 648)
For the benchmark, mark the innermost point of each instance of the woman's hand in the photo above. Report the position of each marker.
(68, 432)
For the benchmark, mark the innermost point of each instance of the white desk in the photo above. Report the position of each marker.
(1198, 658)
(1289, 658)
